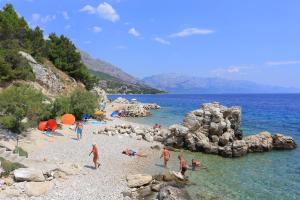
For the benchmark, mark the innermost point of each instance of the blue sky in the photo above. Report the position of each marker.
(257, 40)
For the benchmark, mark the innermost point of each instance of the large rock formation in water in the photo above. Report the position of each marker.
(215, 129)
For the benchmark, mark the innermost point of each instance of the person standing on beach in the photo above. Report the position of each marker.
(96, 156)
(78, 130)
(166, 155)
(182, 165)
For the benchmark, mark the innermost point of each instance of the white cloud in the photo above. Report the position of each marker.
(162, 41)
(87, 42)
(121, 47)
(289, 62)
(228, 70)
(66, 15)
(134, 32)
(37, 18)
(68, 26)
(192, 31)
(104, 10)
(97, 29)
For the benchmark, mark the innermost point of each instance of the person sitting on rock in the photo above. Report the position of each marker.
(182, 165)
(166, 155)
(130, 152)
(96, 156)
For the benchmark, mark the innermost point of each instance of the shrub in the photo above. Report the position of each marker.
(19, 102)
(9, 166)
(62, 105)
(83, 102)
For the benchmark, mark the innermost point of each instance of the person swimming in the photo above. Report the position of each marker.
(130, 152)
(195, 163)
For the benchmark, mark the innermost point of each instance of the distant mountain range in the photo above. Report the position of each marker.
(182, 84)
(114, 79)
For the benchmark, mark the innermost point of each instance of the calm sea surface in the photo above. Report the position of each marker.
(273, 175)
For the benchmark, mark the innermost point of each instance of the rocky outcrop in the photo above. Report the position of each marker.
(100, 94)
(121, 100)
(135, 108)
(29, 174)
(260, 142)
(215, 129)
(50, 80)
(282, 142)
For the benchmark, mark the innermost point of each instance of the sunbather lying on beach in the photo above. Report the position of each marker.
(130, 152)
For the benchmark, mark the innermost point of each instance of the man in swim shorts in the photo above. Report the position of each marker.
(96, 156)
(78, 130)
(182, 165)
(166, 155)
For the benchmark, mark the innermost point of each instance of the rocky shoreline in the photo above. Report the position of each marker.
(213, 129)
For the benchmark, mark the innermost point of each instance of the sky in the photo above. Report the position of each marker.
(256, 40)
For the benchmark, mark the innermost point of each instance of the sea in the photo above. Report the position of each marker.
(272, 175)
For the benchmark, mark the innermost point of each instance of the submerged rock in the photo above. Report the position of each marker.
(173, 193)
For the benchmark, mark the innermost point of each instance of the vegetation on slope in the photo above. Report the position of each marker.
(22, 106)
(16, 35)
(114, 85)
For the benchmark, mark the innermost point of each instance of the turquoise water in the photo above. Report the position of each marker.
(271, 175)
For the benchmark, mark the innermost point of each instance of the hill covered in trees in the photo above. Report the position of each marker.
(16, 35)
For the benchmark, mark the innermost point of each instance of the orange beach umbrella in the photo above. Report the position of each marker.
(42, 125)
(67, 119)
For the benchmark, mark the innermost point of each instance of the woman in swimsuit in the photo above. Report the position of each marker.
(130, 152)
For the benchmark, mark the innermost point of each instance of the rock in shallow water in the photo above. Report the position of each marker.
(173, 193)
(282, 142)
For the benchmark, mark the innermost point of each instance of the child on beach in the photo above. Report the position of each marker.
(96, 156)
(130, 152)
(166, 155)
(78, 130)
(182, 165)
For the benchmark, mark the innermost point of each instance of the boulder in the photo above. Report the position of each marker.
(100, 94)
(173, 193)
(191, 122)
(239, 148)
(38, 188)
(226, 137)
(226, 151)
(282, 142)
(142, 192)
(29, 174)
(148, 137)
(178, 130)
(138, 180)
(260, 142)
